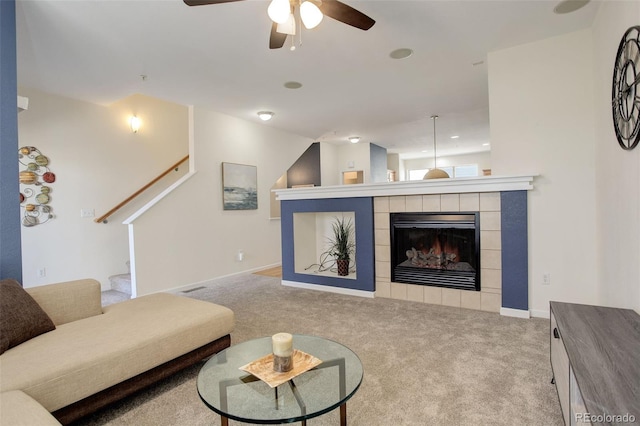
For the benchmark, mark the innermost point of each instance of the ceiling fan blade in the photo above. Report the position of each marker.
(276, 39)
(344, 13)
(205, 2)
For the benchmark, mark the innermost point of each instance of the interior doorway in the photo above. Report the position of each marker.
(352, 177)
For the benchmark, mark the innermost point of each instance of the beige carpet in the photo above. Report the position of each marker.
(424, 364)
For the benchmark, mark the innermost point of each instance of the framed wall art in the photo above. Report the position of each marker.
(239, 187)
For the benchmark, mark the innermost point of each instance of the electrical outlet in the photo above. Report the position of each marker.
(546, 279)
(42, 272)
(240, 256)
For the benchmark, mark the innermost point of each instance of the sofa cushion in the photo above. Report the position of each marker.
(19, 409)
(81, 358)
(22, 318)
(69, 301)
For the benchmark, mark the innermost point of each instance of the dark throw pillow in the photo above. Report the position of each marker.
(21, 318)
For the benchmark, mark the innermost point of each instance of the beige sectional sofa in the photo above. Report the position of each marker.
(98, 355)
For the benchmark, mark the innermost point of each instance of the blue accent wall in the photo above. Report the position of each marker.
(10, 244)
(378, 160)
(515, 254)
(365, 263)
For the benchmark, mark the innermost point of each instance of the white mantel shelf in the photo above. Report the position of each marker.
(423, 187)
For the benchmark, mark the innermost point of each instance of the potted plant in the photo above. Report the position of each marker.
(342, 244)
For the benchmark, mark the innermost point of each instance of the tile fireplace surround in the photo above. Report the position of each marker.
(502, 204)
(488, 204)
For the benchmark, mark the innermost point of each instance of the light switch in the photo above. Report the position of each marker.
(87, 213)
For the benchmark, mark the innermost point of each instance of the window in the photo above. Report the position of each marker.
(450, 170)
(467, 170)
(417, 174)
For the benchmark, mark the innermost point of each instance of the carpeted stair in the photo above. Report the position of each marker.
(120, 289)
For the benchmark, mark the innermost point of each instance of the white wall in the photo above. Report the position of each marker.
(482, 159)
(98, 162)
(336, 159)
(329, 168)
(354, 157)
(617, 171)
(188, 238)
(393, 163)
(542, 122)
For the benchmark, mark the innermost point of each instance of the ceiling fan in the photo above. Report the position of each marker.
(310, 12)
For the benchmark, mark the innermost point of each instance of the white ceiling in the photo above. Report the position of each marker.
(217, 56)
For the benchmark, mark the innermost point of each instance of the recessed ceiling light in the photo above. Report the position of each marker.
(401, 53)
(568, 6)
(485, 144)
(455, 137)
(265, 115)
(354, 139)
(292, 85)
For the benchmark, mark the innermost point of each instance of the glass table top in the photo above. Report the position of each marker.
(238, 395)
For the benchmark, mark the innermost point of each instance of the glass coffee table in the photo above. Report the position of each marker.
(240, 396)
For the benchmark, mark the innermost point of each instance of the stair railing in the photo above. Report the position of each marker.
(103, 218)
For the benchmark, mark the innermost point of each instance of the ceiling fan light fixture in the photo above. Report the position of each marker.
(265, 115)
(279, 11)
(310, 14)
(289, 27)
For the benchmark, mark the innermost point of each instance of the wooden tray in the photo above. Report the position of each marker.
(263, 368)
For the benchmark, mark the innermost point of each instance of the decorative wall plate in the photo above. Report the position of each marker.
(34, 197)
(625, 90)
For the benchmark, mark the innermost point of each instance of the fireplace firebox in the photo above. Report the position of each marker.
(436, 249)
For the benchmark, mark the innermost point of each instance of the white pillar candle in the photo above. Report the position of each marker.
(282, 344)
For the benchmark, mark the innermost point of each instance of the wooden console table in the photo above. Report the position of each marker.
(595, 358)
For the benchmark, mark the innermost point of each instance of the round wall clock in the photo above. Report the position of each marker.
(625, 91)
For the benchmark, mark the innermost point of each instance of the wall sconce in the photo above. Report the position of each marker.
(135, 123)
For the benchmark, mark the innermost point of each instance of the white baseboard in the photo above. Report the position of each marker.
(211, 280)
(517, 313)
(540, 314)
(330, 289)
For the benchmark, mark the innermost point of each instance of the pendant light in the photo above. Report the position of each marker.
(435, 173)
(289, 27)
